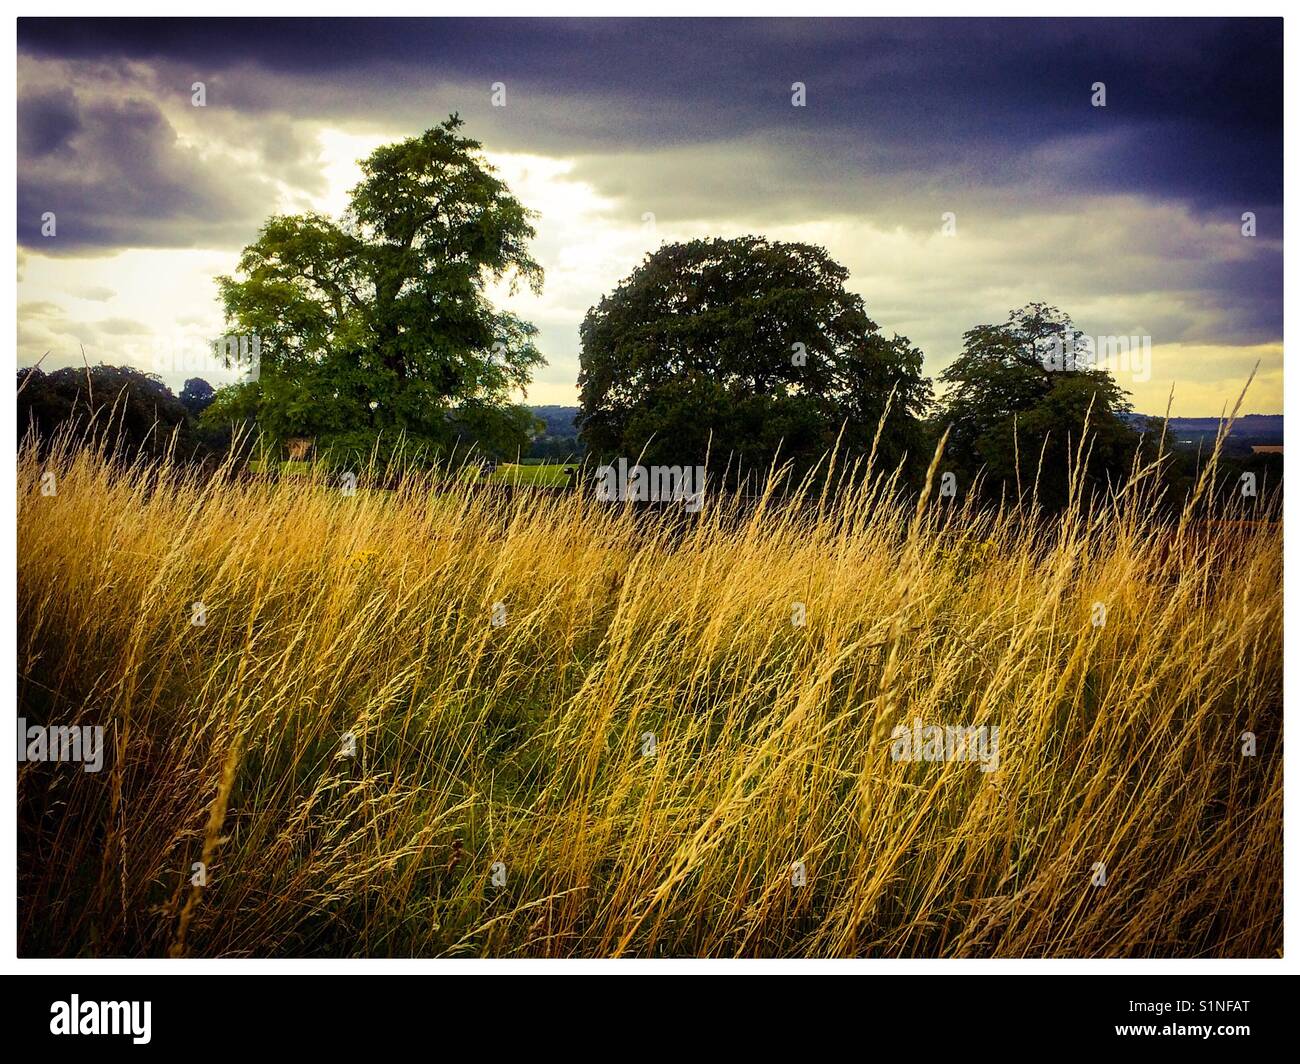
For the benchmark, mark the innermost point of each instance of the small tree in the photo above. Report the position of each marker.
(379, 322)
(197, 395)
(1020, 394)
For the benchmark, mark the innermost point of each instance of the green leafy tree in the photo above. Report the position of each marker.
(743, 349)
(380, 322)
(1017, 401)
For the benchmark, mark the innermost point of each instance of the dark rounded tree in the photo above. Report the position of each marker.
(743, 350)
(125, 410)
(197, 395)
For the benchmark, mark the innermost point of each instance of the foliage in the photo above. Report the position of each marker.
(741, 350)
(557, 441)
(1017, 417)
(379, 323)
(129, 411)
(197, 395)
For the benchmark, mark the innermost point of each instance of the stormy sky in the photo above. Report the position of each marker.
(626, 134)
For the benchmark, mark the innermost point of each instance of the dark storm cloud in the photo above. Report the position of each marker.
(1196, 102)
(46, 122)
(114, 174)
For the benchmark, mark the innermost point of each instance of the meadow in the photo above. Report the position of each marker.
(516, 474)
(446, 721)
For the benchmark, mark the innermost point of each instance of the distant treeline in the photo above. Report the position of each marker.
(137, 413)
(1248, 431)
(558, 440)
(131, 412)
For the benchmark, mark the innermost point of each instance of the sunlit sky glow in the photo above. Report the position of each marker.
(623, 136)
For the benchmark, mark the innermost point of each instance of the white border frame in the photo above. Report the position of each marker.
(10, 963)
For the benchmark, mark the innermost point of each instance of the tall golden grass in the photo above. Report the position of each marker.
(524, 745)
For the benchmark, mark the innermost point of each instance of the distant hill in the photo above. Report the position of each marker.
(1247, 429)
(559, 419)
(1257, 428)
(560, 440)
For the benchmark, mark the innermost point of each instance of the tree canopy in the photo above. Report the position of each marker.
(380, 321)
(1017, 402)
(742, 349)
(197, 395)
(131, 412)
